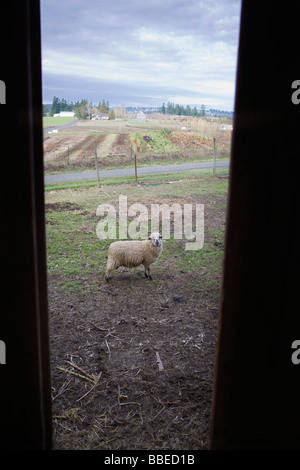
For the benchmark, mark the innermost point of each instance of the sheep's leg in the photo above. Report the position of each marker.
(108, 270)
(110, 267)
(147, 273)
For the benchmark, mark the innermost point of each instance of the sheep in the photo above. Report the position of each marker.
(133, 253)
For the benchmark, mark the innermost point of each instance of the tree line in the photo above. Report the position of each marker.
(82, 108)
(180, 110)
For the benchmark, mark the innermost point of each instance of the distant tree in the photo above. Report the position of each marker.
(63, 105)
(180, 110)
(45, 110)
(82, 109)
(170, 108)
(59, 105)
(112, 115)
(55, 107)
(70, 106)
(103, 107)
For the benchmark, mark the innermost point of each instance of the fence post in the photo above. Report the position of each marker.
(97, 168)
(135, 169)
(214, 157)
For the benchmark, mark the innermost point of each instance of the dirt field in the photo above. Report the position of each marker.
(82, 145)
(143, 351)
(75, 146)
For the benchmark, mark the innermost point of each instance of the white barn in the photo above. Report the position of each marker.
(65, 114)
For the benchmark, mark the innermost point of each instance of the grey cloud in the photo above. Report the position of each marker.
(73, 88)
(71, 22)
(107, 34)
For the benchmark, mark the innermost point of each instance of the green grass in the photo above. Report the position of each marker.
(143, 179)
(206, 262)
(208, 257)
(159, 144)
(56, 121)
(73, 249)
(157, 161)
(77, 258)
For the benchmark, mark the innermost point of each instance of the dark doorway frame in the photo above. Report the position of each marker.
(25, 392)
(256, 388)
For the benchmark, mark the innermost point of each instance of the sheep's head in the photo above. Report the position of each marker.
(156, 239)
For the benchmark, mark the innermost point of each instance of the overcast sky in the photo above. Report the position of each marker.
(141, 52)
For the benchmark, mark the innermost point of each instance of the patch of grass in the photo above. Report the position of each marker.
(158, 143)
(143, 161)
(73, 250)
(143, 179)
(77, 258)
(56, 121)
(207, 261)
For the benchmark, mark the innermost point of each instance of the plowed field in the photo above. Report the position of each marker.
(81, 145)
(75, 146)
(79, 149)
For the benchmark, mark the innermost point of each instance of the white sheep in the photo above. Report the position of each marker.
(132, 253)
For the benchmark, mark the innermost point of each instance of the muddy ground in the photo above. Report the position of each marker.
(132, 360)
(118, 337)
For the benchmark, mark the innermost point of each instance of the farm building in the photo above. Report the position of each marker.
(101, 116)
(65, 114)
